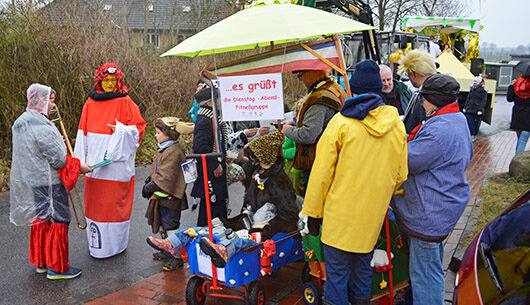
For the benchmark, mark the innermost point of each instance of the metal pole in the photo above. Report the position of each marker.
(342, 65)
(389, 254)
(209, 215)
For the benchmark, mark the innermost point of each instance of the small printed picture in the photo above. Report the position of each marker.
(269, 123)
(189, 168)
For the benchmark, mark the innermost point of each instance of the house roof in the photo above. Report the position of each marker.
(190, 15)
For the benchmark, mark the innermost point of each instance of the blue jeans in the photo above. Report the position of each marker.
(473, 121)
(169, 218)
(179, 240)
(522, 139)
(348, 274)
(426, 271)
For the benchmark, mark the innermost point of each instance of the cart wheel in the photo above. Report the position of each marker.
(306, 275)
(312, 293)
(194, 293)
(256, 294)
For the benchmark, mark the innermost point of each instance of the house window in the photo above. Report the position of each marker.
(153, 39)
(107, 7)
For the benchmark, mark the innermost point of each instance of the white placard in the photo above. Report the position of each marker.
(204, 263)
(251, 97)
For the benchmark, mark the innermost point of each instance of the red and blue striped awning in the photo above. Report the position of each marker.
(282, 60)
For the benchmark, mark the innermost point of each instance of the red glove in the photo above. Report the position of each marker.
(70, 172)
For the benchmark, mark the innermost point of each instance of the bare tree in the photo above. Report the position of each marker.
(402, 8)
(441, 7)
(124, 20)
(146, 21)
(174, 14)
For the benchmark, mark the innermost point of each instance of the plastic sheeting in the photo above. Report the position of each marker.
(264, 214)
(37, 193)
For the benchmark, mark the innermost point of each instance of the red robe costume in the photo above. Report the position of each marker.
(109, 190)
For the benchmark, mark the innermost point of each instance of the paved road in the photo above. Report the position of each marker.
(502, 114)
(21, 285)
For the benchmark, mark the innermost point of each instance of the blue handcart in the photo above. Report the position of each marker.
(243, 269)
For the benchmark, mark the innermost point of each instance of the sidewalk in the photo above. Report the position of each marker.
(492, 155)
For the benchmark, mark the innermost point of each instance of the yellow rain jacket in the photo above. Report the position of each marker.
(361, 159)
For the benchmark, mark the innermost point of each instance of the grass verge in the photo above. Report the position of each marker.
(5, 167)
(497, 194)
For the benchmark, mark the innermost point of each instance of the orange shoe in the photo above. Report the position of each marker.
(217, 252)
(162, 245)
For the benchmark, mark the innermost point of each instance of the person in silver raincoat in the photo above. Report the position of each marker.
(37, 192)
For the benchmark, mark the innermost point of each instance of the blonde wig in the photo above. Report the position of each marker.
(417, 61)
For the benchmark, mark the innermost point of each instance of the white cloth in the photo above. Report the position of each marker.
(123, 143)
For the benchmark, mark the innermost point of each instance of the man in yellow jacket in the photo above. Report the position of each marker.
(361, 159)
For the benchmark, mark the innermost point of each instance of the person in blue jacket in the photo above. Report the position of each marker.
(192, 113)
(436, 191)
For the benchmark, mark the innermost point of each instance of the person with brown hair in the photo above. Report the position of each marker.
(324, 99)
(165, 186)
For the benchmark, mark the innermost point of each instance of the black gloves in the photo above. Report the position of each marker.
(149, 188)
(313, 224)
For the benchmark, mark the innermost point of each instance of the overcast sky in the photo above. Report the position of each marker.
(506, 22)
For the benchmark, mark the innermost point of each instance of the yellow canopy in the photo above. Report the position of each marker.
(451, 65)
(265, 25)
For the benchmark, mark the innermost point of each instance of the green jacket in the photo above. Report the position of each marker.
(289, 148)
(404, 93)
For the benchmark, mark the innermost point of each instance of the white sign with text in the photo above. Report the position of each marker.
(204, 263)
(252, 97)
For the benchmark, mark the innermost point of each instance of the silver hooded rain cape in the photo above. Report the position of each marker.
(38, 151)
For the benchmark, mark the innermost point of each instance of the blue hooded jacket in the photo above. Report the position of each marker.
(358, 106)
(436, 191)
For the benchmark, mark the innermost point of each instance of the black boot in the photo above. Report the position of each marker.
(173, 263)
(357, 301)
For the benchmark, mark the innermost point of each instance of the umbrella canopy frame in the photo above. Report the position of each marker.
(341, 68)
(207, 76)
